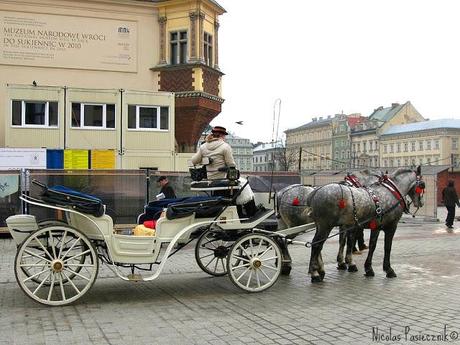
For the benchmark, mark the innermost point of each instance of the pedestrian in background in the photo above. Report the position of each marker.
(450, 199)
(166, 188)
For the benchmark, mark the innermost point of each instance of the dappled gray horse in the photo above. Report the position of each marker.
(380, 207)
(292, 210)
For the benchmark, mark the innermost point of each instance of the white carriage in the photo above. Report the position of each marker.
(57, 262)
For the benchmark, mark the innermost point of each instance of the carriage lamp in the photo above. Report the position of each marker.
(233, 174)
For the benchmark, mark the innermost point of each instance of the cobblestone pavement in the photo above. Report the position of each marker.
(185, 306)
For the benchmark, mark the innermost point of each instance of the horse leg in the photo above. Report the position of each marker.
(350, 245)
(389, 234)
(372, 244)
(341, 265)
(315, 269)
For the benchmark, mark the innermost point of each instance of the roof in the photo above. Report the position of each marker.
(385, 114)
(311, 124)
(423, 126)
(267, 146)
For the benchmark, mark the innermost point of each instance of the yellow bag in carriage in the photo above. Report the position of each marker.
(142, 230)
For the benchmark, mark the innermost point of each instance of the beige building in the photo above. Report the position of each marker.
(435, 142)
(313, 141)
(365, 145)
(119, 75)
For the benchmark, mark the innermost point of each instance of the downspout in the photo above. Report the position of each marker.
(65, 117)
(121, 151)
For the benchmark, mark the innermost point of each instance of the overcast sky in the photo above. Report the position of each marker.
(324, 57)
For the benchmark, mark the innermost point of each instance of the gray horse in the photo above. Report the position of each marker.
(380, 207)
(292, 210)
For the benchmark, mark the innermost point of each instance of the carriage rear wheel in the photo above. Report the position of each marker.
(49, 267)
(211, 252)
(254, 262)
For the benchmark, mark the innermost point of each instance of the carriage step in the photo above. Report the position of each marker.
(135, 277)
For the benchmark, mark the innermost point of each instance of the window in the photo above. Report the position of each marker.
(420, 145)
(454, 143)
(34, 113)
(391, 148)
(89, 115)
(406, 147)
(178, 40)
(385, 148)
(364, 147)
(428, 144)
(436, 144)
(412, 144)
(398, 148)
(148, 117)
(207, 49)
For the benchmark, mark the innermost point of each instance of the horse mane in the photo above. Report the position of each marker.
(400, 171)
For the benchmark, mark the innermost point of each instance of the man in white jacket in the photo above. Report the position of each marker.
(218, 151)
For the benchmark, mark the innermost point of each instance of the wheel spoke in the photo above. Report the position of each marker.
(44, 249)
(73, 245)
(241, 258)
(249, 279)
(258, 279)
(41, 284)
(265, 252)
(51, 287)
(207, 255)
(77, 274)
(77, 255)
(252, 247)
(62, 286)
(273, 257)
(35, 275)
(242, 274)
(245, 252)
(37, 256)
(269, 267)
(223, 265)
(33, 265)
(215, 266)
(80, 265)
(265, 274)
(71, 282)
(210, 262)
(240, 266)
(52, 244)
(62, 244)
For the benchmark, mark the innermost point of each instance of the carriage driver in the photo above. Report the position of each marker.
(218, 151)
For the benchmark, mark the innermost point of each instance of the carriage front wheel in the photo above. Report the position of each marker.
(254, 262)
(211, 252)
(49, 266)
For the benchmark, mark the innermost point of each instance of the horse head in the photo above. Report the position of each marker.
(411, 184)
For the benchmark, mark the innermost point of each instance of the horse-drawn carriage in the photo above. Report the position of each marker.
(58, 261)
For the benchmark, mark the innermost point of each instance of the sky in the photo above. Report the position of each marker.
(293, 60)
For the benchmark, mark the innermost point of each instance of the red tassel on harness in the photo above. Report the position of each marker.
(418, 190)
(295, 202)
(373, 224)
(341, 203)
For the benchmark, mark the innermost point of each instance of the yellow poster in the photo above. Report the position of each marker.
(76, 159)
(102, 159)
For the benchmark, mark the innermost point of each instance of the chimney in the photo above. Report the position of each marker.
(394, 105)
(320, 118)
(314, 119)
(329, 116)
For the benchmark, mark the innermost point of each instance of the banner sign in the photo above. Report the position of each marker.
(22, 158)
(76, 159)
(37, 39)
(102, 159)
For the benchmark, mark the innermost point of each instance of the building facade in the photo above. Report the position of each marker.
(313, 141)
(435, 142)
(267, 157)
(140, 78)
(365, 145)
(242, 152)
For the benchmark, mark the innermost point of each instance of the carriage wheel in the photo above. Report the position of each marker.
(49, 268)
(211, 252)
(30, 271)
(254, 262)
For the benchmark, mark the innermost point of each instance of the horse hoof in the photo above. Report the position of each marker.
(352, 268)
(286, 270)
(342, 266)
(391, 274)
(322, 274)
(370, 273)
(316, 279)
